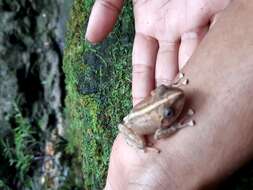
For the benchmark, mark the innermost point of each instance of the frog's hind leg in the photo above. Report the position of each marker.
(180, 80)
(132, 139)
(135, 140)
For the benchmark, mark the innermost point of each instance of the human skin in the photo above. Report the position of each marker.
(220, 91)
(167, 33)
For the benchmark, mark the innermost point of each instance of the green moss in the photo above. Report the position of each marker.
(98, 90)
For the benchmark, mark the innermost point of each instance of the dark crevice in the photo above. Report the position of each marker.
(52, 121)
(14, 40)
(29, 85)
(6, 7)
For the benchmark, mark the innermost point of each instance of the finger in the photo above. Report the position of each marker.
(144, 57)
(102, 19)
(189, 42)
(167, 62)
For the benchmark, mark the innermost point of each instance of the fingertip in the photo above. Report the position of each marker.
(102, 19)
(98, 28)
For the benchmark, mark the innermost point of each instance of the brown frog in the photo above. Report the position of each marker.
(156, 115)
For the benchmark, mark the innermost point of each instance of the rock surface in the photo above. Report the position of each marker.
(31, 91)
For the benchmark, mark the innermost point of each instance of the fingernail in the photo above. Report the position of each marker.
(90, 43)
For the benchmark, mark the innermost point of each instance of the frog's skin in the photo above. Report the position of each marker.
(155, 115)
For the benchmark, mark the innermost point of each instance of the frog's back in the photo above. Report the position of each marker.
(158, 93)
(148, 115)
(143, 104)
(145, 124)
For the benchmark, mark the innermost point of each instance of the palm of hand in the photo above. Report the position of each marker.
(167, 33)
(168, 20)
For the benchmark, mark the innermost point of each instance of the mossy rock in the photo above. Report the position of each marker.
(98, 82)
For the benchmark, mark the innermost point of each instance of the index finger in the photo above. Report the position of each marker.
(102, 19)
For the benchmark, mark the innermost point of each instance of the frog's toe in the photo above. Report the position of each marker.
(150, 144)
(156, 150)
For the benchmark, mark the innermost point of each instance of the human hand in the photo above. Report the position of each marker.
(167, 33)
(219, 92)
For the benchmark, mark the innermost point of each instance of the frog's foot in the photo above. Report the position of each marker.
(166, 132)
(146, 148)
(186, 118)
(162, 133)
(180, 80)
(189, 123)
(150, 146)
(135, 140)
(156, 150)
(132, 139)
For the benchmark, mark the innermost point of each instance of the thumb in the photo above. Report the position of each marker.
(102, 19)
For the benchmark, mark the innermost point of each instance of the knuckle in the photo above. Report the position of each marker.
(166, 46)
(141, 68)
(164, 81)
(190, 36)
(195, 34)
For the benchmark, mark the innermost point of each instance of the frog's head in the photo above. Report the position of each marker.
(173, 102)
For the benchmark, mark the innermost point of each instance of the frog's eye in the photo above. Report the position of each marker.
(168, 112)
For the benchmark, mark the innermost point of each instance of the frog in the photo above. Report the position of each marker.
(157, 115)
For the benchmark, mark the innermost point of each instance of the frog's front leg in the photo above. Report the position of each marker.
(166, 132)
(132, 139)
